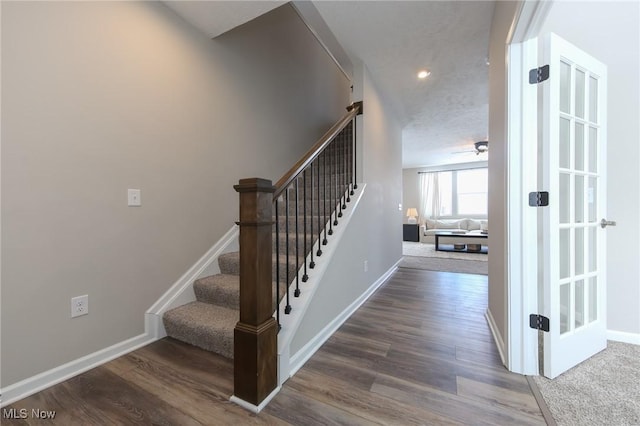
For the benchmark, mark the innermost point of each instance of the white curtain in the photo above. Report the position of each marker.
(430, 203)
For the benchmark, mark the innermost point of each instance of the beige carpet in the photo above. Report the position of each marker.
(429, 250)
(604, 390)
(424, 256)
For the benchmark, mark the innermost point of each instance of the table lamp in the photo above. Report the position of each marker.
(412, 213)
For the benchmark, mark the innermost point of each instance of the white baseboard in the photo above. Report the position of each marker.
(496, 336)
(24, 388)
(307, 351)
(181, 292)
(255, 408)
(624, 337)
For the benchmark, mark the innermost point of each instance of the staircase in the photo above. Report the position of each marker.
(301, 208)
(209, 321)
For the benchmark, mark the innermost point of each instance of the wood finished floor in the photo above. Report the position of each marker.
(418, 351)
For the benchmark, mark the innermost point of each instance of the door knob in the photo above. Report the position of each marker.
(604, 223)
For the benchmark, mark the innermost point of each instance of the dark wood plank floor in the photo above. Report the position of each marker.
(418, 352)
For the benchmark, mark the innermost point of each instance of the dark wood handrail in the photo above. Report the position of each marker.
(354, 109)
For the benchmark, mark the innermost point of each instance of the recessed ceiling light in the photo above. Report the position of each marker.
(424, 74)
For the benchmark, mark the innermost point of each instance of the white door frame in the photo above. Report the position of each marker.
(522, 178)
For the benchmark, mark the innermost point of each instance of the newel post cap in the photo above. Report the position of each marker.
(254, 185)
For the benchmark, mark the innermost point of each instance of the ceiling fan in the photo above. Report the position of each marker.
(480, 147)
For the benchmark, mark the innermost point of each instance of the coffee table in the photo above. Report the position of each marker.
(446, 241)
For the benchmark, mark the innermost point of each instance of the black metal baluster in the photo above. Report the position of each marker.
(319, 253)
(339, 171)
(277, 264)
(345, 182)
(287, 309)
(348, 164)
(334, 184)
(296, 293)
(324, 198)
(331, 205)
(305, 277)
(355, 155)
(312, 264)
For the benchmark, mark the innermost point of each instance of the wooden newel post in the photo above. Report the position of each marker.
(255, 345)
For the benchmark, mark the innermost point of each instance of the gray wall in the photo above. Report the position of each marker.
(101, 97)
(374, 233)
(616, 43)
(503, 15)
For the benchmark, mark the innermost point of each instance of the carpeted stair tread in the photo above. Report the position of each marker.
(204, 325)
(229, 263)
(221, 290)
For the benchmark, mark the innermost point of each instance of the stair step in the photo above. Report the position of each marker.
(282, 220)
(206, 326)
(325, 206)
(282, 242)
(224, 290)
(221, 290)
(229, 263)
(229, 279)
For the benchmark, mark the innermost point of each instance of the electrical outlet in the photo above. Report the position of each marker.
(79, 306)
(366, 265)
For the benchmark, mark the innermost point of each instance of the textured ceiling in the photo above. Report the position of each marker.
(442, 115)
(449, 110)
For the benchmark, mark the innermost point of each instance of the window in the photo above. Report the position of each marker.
(458, 193)
(471, 192)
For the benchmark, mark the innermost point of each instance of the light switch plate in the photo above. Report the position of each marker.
(134, 198)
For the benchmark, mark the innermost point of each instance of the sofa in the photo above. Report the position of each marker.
(462, 226)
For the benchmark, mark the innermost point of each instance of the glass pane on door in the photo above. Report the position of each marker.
(564, 143)
(579, 147)
(579, 199)
(593, 100)
(579, 297)
(580, 93)
(565, 87)
(565, 291)
(593, 299)
(565, 267)
(564, 196)
(593, 149)
(593, 250)
(579, 252)
(592, 199)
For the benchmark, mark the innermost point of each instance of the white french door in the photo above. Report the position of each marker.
(572, 169)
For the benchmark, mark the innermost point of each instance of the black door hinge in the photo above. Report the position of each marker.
(539, 322)
(538, 75)
(539, 199)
